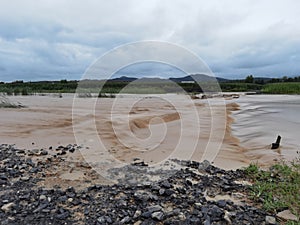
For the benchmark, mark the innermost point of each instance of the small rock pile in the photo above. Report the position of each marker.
(191, 195)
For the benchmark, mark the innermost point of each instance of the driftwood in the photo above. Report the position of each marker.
(277, 143)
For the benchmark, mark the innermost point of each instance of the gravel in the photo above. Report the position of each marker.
(185, 197)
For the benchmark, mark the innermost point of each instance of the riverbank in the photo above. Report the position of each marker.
(196, 193)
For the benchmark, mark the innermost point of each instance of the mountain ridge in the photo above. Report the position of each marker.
(188, 78)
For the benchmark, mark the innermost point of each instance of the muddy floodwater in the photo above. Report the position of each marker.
(261, 119)
(229, 132)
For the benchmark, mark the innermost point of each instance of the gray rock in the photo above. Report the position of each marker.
(270, 220)
(157, 215)
(181, 216)
(43, 152)
(204, 165)
(8, 207)
(141, 195)
(125, 220)
(137, 214)
(166, 184)
(154, 208)
(108, 219)
(41, 207)
(216, 213)
(101, 219)
(161, 191)
(287, 215)
(207, 222)
(138, 222)
(25, 178)
(43, 197)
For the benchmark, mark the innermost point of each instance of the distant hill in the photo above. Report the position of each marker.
(151, 80)
(124, 78)
(192, 77)
(198, 78)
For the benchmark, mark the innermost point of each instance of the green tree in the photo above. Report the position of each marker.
(285, 78)
(249, 79)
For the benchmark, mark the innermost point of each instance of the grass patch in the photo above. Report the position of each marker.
(277, 188)
(282, 88)
(240, 87)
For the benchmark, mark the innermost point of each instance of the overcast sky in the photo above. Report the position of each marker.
(59, 39)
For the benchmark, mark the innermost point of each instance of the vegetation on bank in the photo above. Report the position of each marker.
(260, 85)
(27, 88)
(277, 188)
(240, 87)
(282, 88)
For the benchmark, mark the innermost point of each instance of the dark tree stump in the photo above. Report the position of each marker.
(277, 143)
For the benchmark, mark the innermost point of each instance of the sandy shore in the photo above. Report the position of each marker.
(151, 128)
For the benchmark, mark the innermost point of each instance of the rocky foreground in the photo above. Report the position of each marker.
(197, 193)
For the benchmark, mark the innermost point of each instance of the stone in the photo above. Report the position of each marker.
(161, 191)
(207, 221)
(157, 215)
(141, 195)
(101, 220)
(41, 207)
(62, 216)
(108, 219)
(227, 217)
(216, 213)
(146, 214)
(3, 177)
(25, 178)
(198, 205)
(137, 214)
(270, 220)
(221, 203)
(8, 207)
(125, 220)
(154, 208)
(287, 215)
(63, 198)
(181, 216)
(43, 197)
(166, 184)
(169, 192)
(203, 165)
(43, 152)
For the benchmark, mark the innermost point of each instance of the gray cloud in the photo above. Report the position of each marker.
(60, 39)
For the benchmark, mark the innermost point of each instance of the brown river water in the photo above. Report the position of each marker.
(231, 133)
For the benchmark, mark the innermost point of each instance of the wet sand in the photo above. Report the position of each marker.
(151, 128)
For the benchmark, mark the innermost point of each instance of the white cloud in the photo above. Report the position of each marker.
(49, 39)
